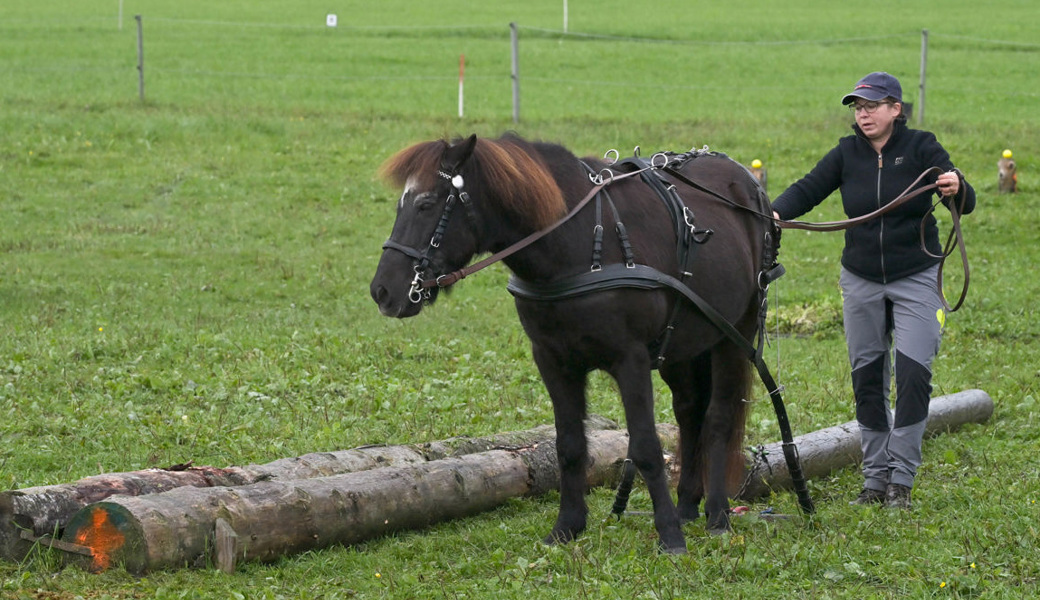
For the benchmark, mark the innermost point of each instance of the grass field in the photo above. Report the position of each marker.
(186, 278)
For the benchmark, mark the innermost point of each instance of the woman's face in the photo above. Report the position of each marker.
(875, 119)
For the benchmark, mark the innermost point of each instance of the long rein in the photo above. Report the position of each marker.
(956, 237)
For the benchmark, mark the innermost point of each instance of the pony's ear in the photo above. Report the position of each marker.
(458, 154)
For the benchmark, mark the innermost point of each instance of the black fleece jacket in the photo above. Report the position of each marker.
(887, 248)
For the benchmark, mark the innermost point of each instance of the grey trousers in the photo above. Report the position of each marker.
(904, 318)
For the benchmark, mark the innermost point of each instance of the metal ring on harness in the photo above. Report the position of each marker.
(617, 156)
(664, 159)
(416, 293)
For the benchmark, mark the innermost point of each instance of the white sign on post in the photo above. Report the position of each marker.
(330, 20)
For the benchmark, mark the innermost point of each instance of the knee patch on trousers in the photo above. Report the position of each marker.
(913, 391)
(868, 387)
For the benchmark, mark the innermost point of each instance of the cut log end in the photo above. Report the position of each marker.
(107, 530)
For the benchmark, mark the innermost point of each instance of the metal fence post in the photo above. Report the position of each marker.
(514, 38)
(924, 65)
(140, 57)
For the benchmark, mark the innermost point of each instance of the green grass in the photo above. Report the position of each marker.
(186, 278)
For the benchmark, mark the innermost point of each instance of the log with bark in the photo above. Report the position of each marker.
(32, 513)
(826, 450)
(266, 520)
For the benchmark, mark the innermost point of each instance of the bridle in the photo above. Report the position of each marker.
(420, 288)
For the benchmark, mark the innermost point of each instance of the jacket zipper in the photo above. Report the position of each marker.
(881, 231)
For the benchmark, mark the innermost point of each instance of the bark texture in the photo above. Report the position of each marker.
(45, 510)
(269, 519)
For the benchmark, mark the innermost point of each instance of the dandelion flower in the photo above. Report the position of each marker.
(942, 585)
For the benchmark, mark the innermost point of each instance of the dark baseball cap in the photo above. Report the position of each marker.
(874, 87)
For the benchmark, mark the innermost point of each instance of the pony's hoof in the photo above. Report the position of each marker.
(559, 538)
(673, 550)
(718, 530)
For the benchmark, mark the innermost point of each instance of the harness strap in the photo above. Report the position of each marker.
(406, 250)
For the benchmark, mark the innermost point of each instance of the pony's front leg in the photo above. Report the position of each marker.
(567, 389)
(644, 448)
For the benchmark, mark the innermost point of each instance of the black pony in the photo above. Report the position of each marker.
(475, 196)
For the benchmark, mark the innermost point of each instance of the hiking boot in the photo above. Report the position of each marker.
(869, 496)
(897, 496)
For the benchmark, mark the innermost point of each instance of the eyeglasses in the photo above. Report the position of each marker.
(867, 107)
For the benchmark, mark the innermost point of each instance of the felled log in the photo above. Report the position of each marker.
(826, 450)
(269, 519)
(31, 513)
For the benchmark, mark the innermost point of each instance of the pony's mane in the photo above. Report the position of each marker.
(513, 174)
(420, 161)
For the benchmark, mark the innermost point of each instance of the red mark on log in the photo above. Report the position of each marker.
(102, 537)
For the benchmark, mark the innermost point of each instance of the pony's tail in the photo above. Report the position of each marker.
(735, 457)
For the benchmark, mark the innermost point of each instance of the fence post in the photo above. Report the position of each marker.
(140, 57)
(924, 65)
(514, 38)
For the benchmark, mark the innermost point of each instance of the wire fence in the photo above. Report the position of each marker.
(542, 67)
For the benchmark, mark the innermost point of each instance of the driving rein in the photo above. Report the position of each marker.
(956, 237)
(420, 287)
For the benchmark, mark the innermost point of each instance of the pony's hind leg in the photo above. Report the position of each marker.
(567, 390)
(724, 430)
(644, 448)
(690, 383)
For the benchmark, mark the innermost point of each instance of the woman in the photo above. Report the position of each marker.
(889, 291)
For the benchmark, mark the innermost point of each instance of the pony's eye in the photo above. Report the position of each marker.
(425, 202)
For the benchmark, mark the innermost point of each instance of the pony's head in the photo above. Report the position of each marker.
(459, 199)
